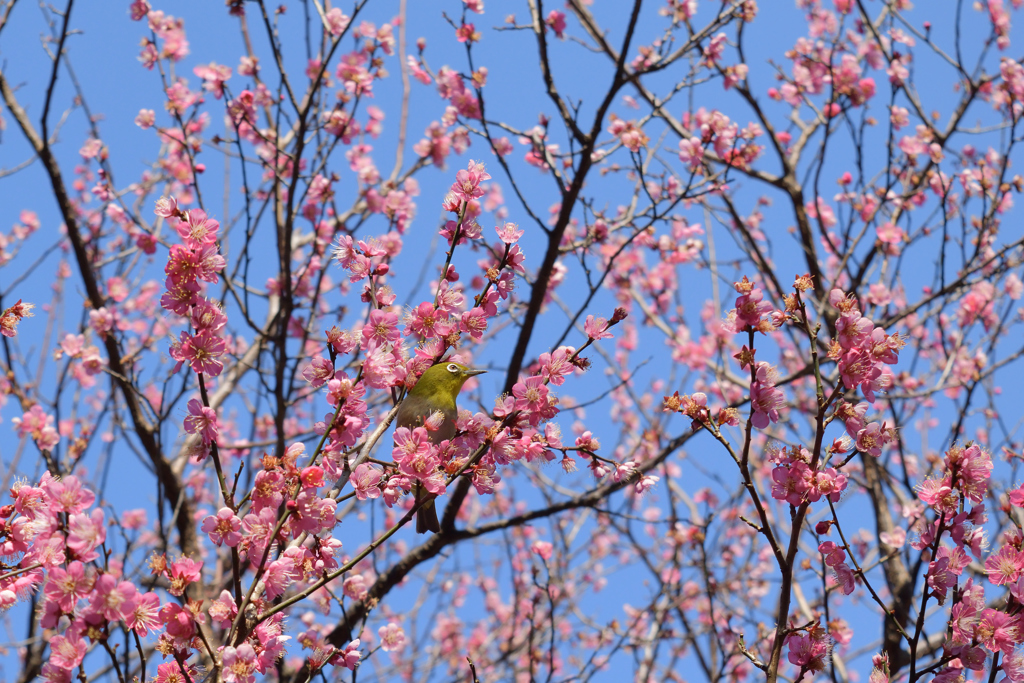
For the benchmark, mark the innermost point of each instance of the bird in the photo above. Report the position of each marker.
(436, 390)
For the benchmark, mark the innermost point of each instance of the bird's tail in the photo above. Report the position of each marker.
(426, 516)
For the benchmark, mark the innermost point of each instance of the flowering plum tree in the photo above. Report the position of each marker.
(772, 307)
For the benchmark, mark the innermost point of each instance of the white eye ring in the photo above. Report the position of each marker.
(452, 367)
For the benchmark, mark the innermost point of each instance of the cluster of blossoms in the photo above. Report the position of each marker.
(730, 144)
(90, 362)
(861, 350)
(835, 557)
(978, 627)
(630, 137)
(36, 423)
(451, 86)
(808, 650)
(965, 475)
(752, 313)
(766, 399)
(282, 533)
(12, 315)
(305, 528)
(28, 223)
(794, 480)
(519, 427)
(695, 406)
(85, 598)
(170, 32)
(862, 353)
(442, 139)
(445, 136)
(955, 537)
(57, 537)
(189, 264)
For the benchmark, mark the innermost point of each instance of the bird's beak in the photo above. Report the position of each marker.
(473, 372)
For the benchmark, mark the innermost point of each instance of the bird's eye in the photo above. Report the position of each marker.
(452, 367)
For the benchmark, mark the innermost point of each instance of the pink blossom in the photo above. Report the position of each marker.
(184, 571)
(214, 76)
(467, 33)
(597, 328)
(239, 663)
(202, 420)
(556, 20)
(355, 587)
(415, 454)
(502, 146)
(139, 9)
(531, 394)
(145, 118)
(319, 371)
(259, 530)
(166, 207)
(67, 652)
(202, 352)
(509, 233)
(734, 75)
(66, 587)
(425, 322)
(749, 305)
(713, 51)
(846, 578)
(1004, 566)
(336, 21)
(224, 528)
(889, 233)
(312, 477)
(91, 148)
(418, 72)
(197, 230)
(467, 182)
(365, 479)
(278, 575)
(144, 615)
(268, 490)
(691, 153)
(555, 366)
(392, 637)
(86, 533)
(474, 323)
(349, 657)
(68, 495)
(223, 610)
(645, 484)
(112, 598)
(149, 56)
(543, 549)
(380, 330)
(765, 399)
(177, 621)
(806, 651)
(13, 315)
(998, 631)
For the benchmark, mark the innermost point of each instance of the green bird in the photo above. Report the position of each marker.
(436, 390)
